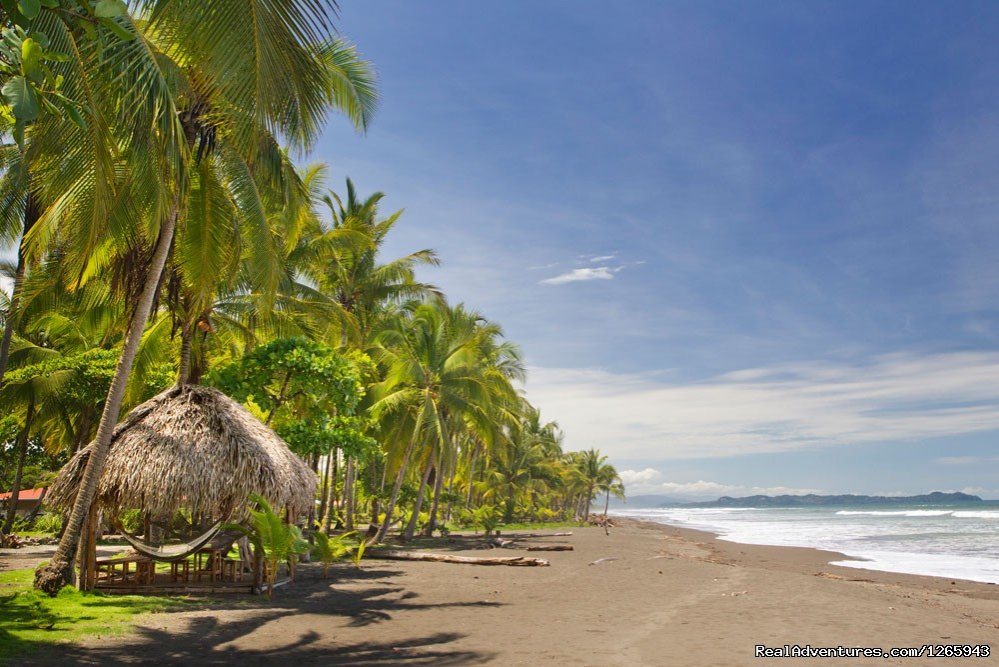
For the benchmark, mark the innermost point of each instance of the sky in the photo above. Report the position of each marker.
(745, 247)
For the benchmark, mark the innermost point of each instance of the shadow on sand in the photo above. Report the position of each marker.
(238, 633)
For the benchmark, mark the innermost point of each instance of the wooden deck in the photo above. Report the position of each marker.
(164, 584)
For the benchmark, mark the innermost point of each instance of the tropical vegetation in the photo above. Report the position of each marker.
(165, 234)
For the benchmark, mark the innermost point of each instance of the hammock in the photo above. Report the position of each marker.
(171, 552)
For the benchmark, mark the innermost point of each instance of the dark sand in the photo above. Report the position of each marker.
(672, 597)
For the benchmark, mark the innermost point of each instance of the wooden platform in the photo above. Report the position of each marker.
(163, 583)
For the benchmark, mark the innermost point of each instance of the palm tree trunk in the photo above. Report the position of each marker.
(38, 508)
(31, 215)
(51, 577)
(607, 503)
(348, 494)
(383, 531)
(22, 453)
(331, 501)
(324, 497)
(453, 472)
(418, 505)
(435, 505)
(471, 476)
(184, 370)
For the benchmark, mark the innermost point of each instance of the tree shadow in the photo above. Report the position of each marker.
(350, 598)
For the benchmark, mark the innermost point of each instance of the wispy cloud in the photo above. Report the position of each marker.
(580, 275)
(782, 408)
(602, 258)
(966, 460)
(539, 267)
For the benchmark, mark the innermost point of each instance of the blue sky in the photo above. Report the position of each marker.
(746, 247)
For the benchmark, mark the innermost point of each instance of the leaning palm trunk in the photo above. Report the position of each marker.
(54, 575)
(22, 453)
(418, 505)
(400, 476)
(31, 214)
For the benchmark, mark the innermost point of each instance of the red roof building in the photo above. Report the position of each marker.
(27, 500)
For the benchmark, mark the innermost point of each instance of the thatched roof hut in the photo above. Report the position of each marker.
(191, 447)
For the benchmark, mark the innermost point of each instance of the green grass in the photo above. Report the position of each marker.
(31, 621)
(540, 525)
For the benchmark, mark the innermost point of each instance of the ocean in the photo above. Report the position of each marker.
(944, 541)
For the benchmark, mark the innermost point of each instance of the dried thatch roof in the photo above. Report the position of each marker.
(191, 447)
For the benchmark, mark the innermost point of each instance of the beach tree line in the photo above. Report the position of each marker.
(167, 232)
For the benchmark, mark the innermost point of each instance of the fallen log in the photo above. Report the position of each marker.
(500, 544)
(448, 558)
(550, 547)
(520, 536)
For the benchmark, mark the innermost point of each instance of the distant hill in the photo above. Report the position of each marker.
(811, 500)
(637, 502)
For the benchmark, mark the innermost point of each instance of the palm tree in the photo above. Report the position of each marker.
(238, 73)
(342, 261)
(596, 473)
(435, 374)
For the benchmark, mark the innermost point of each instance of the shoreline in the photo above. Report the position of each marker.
(800, 559)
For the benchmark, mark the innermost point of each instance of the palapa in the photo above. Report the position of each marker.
(191, 447)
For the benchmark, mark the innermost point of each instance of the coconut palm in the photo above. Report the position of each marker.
(595, 473)
(435, 375)
(239, 73)
(343, 263)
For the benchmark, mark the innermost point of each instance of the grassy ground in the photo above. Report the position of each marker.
(548, 525)
(30, 621)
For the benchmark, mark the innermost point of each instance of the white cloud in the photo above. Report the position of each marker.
(782, 408)
(638, 476)
(577, 275)
(602, 258)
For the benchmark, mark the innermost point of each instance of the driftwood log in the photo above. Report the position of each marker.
(550, 547)
(521, 536)
(388, 554)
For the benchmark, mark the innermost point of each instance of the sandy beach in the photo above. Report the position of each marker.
(660, 596)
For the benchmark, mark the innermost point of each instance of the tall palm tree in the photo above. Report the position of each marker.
(596, 473)
(343, 262)
(238, 73)
(435, 373)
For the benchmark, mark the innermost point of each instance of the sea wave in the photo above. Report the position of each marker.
(957, 514)
(984, 514)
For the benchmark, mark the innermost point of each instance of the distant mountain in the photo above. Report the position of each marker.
(638, 502)
(935, 498)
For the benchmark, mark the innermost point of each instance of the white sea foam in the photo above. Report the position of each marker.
(896, 513)
(933, 565)
(947, 542)
(977, 515)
